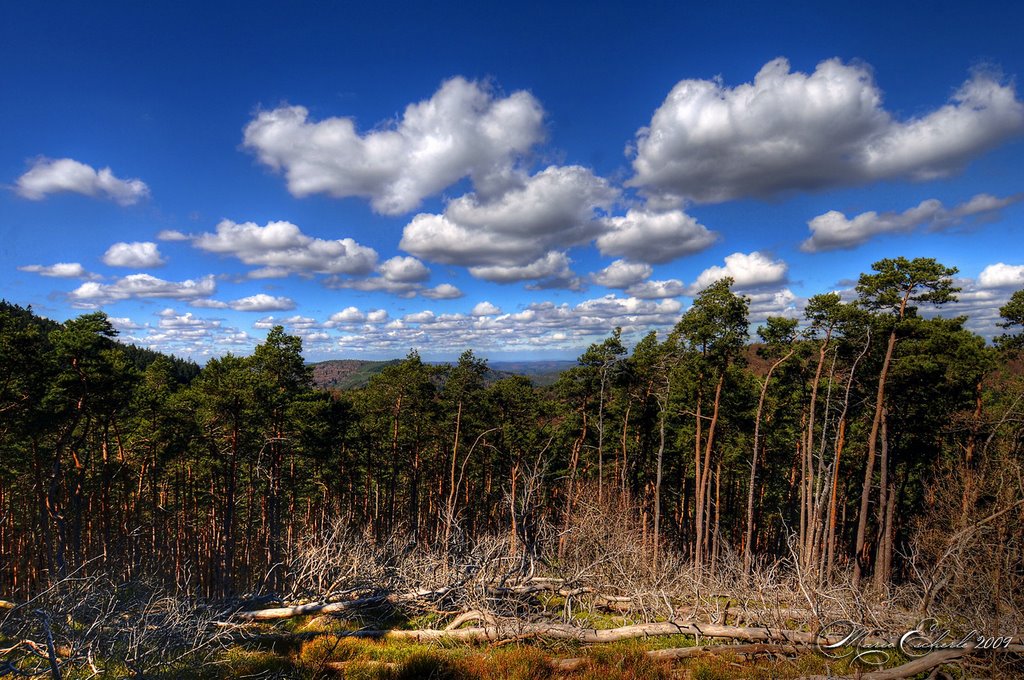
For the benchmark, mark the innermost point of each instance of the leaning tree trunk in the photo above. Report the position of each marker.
(865, 496)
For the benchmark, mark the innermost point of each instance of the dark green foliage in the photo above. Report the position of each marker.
(118, 458)
(716, 325)
(897, 282)
(1013, 320)
(183, 371)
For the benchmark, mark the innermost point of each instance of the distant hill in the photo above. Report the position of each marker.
(540, 372)
(347, 374)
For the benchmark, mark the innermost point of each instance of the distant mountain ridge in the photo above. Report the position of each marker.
(347, 374)
(542, 372)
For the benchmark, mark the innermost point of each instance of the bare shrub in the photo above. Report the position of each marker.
(968, 548)
(126, 629)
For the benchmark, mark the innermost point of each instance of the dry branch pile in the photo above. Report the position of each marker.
(490, 592)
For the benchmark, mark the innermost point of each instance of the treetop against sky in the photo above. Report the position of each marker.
(517, 179)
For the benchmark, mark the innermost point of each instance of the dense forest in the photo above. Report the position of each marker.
(864, 442)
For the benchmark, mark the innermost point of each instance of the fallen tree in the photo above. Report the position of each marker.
(519, 630)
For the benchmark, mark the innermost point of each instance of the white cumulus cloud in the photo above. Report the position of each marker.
(374, 284)
(556, 208)
(442, 291)
(622, 274)
(781, 302)
(261, 302)
(426, 316)
(281, 247)
(656, 237)
(1000, 275)
(347, 316)
(52, 176)
(748, 271)
(404, 270)
(464, 129)
(136, 254)
(789, 130)
(485, 308)
(550, 271)
(649, 290)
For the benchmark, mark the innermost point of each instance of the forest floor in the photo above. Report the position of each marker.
(322, 646)
(541, 629)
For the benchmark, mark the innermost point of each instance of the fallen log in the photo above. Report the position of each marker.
(277, 613)
(559, 631)
(473, 615)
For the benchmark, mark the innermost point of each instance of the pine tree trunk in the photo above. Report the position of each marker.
(705, 480)
(865, 497)
(883, 506)
(747, 548)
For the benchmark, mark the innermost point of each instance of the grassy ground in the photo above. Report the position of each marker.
(329, 654)
(311, 648)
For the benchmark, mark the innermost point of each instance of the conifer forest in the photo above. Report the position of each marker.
(705, 502)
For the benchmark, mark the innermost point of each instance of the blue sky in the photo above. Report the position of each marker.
(517, 179)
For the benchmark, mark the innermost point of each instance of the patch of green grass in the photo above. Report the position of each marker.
(426, 620)
(240, 663)
(397, 652)
(592, 619)
(656, 642)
